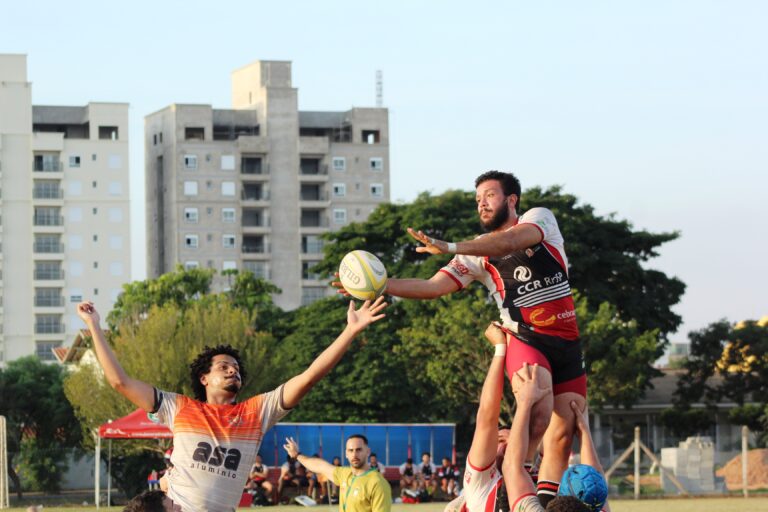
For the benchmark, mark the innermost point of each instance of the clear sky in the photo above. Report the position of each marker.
(654, 110)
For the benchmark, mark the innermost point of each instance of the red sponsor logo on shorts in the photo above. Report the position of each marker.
(459, 267)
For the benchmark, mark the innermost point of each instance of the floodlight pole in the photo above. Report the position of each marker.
(637, 463)
(744, 453)
(4, 496)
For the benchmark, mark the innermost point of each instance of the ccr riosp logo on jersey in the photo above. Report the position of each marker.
(522, 273)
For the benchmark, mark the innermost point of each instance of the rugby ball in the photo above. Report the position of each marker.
(363, 275)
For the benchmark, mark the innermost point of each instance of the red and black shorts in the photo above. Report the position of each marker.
(563, 359)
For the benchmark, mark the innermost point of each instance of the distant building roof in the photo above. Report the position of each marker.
(322, 119)
(59, 115)
(75, 352)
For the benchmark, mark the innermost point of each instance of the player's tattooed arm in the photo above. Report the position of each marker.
(138, 392)
(498, 244)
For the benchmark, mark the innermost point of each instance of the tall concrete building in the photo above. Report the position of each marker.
(64, 201)
(253, 187)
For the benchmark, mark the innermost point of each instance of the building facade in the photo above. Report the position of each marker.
(64, 201)
(253, 187)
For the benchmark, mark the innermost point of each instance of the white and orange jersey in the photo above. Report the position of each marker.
(214, 446)
(484, 489)
(530, 286)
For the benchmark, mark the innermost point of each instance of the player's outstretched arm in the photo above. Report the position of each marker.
(436, 286)
(138, 392)
(314, 464)
(588, 451)
(485, 441)
(498, 244)
(357, 320)
(527, 393)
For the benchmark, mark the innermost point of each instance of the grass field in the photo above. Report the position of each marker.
(652, 505)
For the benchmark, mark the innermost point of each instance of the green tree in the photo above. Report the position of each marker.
(729, 362)
(42, 427)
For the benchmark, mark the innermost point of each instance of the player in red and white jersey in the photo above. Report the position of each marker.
(522, 262)
(215, 438)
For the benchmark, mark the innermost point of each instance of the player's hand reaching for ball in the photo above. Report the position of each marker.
(369, 312)
(291, 447)
(339, 287)
(88, 314)
(582, 419)
(431, 245)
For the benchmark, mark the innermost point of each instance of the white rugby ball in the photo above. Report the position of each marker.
(363, 275)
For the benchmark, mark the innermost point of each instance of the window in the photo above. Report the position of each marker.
(75, 242)
(116, 268)
(190, 215)
(115, 215)
(228, 215)
(311, 244)
(74, 188)
(260, 269)
(228, 241)
(339, 215)
(154, 140)
(194, 133)
(115, 242)
(339, 189)
(74, 214)
(95, 238)
(93, 157)
(371, 136)
(115, 188)
(94, 184)
(228, 265)
(376, 164)
(228, 188)
(76, 297)
(75, 269)
(95, 210)
(108, 132)
(190, 188)
(339, 163)
(310, 295)
(115, 162)
(306, 270)
(377, 190)
(44, 349)
(227, 162)
(190, 161)
(189, 265)
(95, 264)
(190, 241)
(74, 161)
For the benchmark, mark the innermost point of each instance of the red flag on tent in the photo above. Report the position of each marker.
(135, 426)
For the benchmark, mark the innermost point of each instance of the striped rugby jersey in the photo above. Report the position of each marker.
(214, 446)
(530, 286)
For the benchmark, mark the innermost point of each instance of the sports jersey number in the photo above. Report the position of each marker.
(215, 456)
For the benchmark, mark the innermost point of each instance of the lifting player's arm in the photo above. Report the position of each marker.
(527, 393)
(485, 442)
(495, 244)
(436, 286)
(588, 453)
(357, 320)
(138, 392)
(313, 464)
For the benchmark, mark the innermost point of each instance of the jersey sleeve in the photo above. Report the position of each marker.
(527, 503)
(463, 269)
(339, 475)
(273, 410)
(381, 496)
(166, 405)
(544, 219)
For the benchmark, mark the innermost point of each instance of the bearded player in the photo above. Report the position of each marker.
(216, 438)
(522, 262)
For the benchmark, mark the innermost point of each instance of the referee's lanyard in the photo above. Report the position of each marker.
(349, 489)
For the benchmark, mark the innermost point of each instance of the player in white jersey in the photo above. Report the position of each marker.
(216, 438)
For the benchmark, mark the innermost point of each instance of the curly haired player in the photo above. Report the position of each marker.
(216, 438)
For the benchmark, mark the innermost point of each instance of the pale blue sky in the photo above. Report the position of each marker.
(654, 110)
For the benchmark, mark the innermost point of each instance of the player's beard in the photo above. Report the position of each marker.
(499, 219)
(233, 387)
(358, 464)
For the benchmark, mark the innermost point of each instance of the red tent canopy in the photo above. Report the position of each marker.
(135, 426)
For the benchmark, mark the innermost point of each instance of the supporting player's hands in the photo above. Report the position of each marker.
(291, 447)
(88, 314)
(369, 312)
(431, 245)
(495, 335)
(526, 389)
(582, 419)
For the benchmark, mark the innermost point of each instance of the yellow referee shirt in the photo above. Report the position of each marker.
(368, 492)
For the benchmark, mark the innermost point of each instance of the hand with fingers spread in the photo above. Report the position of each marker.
(339, 287)
(369, 312)
(495, 335)
(528, 390)
(431, 245)
(291, 447)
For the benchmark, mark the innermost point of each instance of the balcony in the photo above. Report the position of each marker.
(44, 301)
(253, 165)
(256, 248)
(47, 166)
(47, 193)
(49, 274)
(313, 219)
(47, 247)
(48, 220)
(312, 167)
(254, 193)
(312, 193)
(254, 219)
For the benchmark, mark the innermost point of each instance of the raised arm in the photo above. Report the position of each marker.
(314, 464)
(497, 244)
(138, 392)
(588, 452)
(485, 441)
(527, 393)
(436, 286)
(357, 320)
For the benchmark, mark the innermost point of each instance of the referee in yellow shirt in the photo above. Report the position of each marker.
(361, 488)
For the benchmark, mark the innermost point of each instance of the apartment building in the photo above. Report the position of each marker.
(253, 187)
(64, 214)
